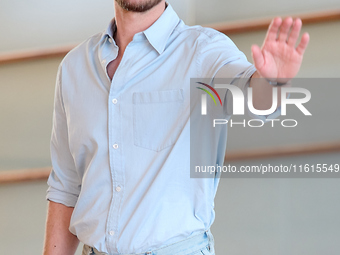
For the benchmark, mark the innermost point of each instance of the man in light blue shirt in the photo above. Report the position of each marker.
(120, 142)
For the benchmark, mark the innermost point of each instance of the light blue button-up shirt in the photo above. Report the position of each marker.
(120, 149)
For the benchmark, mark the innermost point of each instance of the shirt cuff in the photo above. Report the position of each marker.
(264, 118)
(61, 197)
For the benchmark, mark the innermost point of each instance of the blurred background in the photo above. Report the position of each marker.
(253, 216)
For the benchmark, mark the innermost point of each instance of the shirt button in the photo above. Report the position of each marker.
(103, 62)
(112, 233)
(118, 188)
(115, 146)
(110, 40)
(114, 100)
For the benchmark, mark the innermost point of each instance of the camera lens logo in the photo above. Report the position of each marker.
(209, 93)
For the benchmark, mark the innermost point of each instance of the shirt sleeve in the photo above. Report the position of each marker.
(64, 182)
(220, 58)
(242, 81)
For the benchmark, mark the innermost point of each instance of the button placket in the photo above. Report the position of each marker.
(115, 123)
(115, 167)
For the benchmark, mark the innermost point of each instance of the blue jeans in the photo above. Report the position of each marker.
(200, 244)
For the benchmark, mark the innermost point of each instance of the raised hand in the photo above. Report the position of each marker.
(279, 59)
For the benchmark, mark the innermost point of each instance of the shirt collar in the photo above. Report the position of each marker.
(109, 31)
(158, 33)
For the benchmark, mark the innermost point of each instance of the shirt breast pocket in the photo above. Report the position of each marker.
(157, 118)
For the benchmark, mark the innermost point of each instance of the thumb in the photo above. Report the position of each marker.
(257, 56)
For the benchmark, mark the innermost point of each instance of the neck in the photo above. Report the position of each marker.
(129, 23)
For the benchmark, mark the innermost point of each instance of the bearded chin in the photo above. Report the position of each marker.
(142, 6)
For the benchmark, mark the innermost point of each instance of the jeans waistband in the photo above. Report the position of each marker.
(201, 241)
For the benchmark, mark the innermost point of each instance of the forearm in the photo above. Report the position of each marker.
(263, 92)
(58, 239)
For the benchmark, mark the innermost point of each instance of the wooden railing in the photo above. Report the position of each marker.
(18, 56)
(284, 151)
(227, 28)
(261, 24)
(24, 175)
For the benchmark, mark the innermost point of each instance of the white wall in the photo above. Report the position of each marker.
(41, 23)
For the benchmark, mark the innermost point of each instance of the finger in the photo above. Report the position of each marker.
(294, 34)
(273, 29)
(303, 44)
(284, 29)
(257, 56)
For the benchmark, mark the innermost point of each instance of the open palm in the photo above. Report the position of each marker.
(279, 59)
